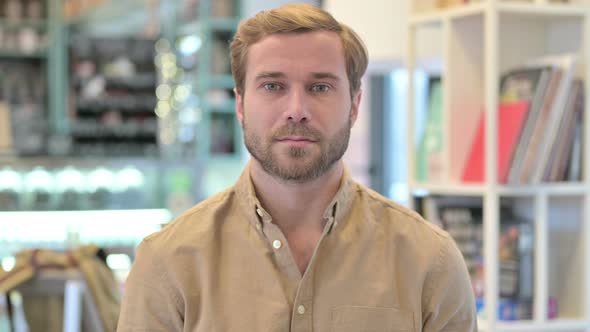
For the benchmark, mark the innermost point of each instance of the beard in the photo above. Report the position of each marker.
(297, 164)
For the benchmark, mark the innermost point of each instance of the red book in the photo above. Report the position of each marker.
(511, 119)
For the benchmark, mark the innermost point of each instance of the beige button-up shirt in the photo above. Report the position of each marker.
(224, 266)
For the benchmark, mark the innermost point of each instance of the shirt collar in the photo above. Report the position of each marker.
(335, 212)
(246, 195)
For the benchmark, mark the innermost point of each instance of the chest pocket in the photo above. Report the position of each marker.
(371, 319)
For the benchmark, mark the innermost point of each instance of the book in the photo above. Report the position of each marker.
(547, 132)
(523, 89)
(521, 84)
(556, 167)
(575, 162)
(510, 309)
(430, 211)
(523, 161)
(429, 158)
(520, 92)
(462, 219)
(511, 118)
(516, 257)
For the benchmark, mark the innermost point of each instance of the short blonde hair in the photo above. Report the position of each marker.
(296, 18)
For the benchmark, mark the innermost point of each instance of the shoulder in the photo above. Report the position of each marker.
(427, 244)
(386, 213)
(195, 226)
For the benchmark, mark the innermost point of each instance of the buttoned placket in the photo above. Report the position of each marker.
(279, 244)
(301, 318)
(301, 315)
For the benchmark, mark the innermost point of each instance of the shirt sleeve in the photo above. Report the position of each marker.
(448, 298)
(150, 303)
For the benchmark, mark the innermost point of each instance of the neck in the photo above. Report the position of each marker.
(294, 205)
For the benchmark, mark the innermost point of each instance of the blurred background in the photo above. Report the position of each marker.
(118, 115)
(115, 117)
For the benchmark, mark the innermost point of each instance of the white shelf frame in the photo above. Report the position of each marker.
(559, 325)
(480, 8)
(490, 191)
(571, 189)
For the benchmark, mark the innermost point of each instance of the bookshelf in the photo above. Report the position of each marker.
(471, 46)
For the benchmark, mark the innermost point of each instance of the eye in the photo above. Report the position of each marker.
(271, 86)
(320, 88)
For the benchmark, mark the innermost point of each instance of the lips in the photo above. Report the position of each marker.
(296, 139)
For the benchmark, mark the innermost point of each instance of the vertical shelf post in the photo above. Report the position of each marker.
(203, 76)
(491, 198)
(57, 69)
(411, 65)
(446, 100)
(586, 169)
(541, 284)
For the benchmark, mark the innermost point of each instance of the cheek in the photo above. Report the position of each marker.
(264, 114)
(335, 115)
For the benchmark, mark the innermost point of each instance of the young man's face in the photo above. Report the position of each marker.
(296, 109)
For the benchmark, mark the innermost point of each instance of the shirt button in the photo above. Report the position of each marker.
(259, 212)
(301, 309)
(277, 244)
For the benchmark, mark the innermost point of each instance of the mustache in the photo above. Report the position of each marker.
(297, 130)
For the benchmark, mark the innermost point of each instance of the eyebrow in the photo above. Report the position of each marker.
(269, 74)
(326, 76)
(276, 74)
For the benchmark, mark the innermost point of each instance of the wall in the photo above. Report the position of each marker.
(251, 7)
(380, 23)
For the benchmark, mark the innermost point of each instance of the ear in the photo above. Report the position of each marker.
(354, 110)
(239, 107)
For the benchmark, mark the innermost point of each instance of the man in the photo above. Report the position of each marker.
(296, 244)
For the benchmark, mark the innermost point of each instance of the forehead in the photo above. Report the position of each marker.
(318, 51)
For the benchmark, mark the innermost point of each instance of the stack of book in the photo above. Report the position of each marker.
(516, 269)
(462, 218)
(539, 125)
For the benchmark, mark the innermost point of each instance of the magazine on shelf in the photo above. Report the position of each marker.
(538, 111)
(561, 149)
(520, 93)
(575, 160)
(540, 104)
(546, 131)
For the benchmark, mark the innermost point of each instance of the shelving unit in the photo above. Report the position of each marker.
(477, 43)
(221, 138)
(170, 182)
(218, 139)
(33, 41)
(214, 22)
(113, 93)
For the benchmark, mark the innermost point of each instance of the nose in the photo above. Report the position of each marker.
(298, 109)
